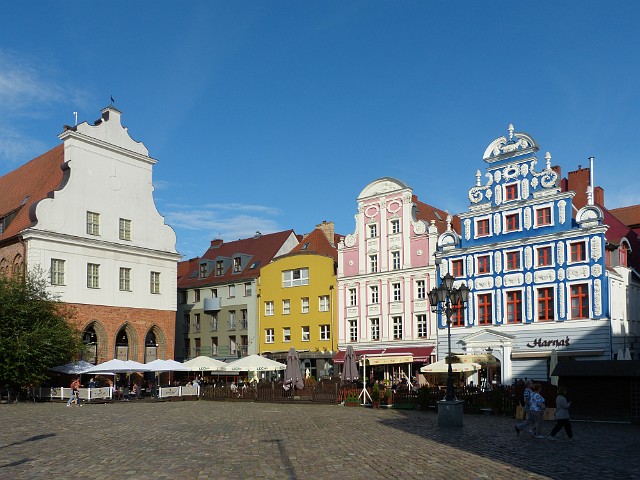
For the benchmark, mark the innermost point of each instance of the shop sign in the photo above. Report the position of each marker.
(540, 343)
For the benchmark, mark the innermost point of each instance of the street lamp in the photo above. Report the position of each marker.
(442, 300)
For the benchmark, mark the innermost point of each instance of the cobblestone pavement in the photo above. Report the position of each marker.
(227, 440)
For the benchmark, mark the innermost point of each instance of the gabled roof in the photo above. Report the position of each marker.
(427, 213)
(317, 243)
(256, 252)
(186, 266)
(630, 216)
(617, 230)
(24, 187)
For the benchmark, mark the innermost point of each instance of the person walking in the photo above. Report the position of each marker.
(75, 397)
(562, 414)
(527, 422)
(537, 410)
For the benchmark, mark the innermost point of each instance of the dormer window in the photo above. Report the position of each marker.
(237, 264)
(219, 268)
(511, 192)
(203, 270)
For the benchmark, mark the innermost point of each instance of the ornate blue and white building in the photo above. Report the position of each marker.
(535, 266)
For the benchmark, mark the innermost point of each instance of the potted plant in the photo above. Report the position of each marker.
(375, 396)
(388, 395)
(352, 400)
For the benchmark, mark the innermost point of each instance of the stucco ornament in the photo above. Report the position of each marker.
(528, 257)
(596, 270)
(498, 309)
(510, 172)
(528, 278)
(498, 195)
(498, 263)
(371, 211)
(578, 272)
(534, 183)
(524, 169)
(350, 240)
(597, 297)
(515, 279)
(419, 227)
(469, 266)
(484, 283)
(527, 218)
(477, 193)
(406, 198)
(529, 304)
(560, 251)
(524, 187)
(596, 248)
(467, 229)
(548, 178)
(498, 282)
(561, 211)
(497, 224)
(544, 276)
(561, 308)
(561, 274)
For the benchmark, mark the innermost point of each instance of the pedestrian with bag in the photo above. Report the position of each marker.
(537, 410)
(528, 422)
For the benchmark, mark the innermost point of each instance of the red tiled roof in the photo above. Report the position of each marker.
(427, 213)
(261, 249)
(316, 242)
(630, 216)
(25, 186)
(186, 266)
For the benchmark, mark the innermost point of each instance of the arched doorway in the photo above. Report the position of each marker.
(90, 342)
(122, 345)
(150, 347)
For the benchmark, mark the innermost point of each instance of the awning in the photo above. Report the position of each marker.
(416, 354)
(386, 359)
(598, 368)
(441, 366)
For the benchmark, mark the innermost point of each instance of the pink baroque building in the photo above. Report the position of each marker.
(385, 270)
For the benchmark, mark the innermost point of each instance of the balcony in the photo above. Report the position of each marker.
(211, 305)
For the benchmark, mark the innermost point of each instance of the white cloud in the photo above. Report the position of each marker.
(16, 148)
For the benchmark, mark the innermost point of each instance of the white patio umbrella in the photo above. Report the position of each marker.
(73, 367)
(205, 364)
(553, 362)
(441, 366)
(159, 365)
(254, 363)
(117, 366)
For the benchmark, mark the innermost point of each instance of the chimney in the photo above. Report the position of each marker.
(328, 230)
(578, 181)
(216, 243)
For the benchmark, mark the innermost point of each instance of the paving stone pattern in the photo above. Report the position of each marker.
(226, 440)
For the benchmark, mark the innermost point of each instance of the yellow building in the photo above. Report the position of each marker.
(297, 303)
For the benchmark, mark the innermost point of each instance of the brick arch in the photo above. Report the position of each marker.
(132, 340)
(102, 339)
(18, 266)
(4, 266)
(161, 340)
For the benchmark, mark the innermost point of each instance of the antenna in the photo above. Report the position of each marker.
(76, 115)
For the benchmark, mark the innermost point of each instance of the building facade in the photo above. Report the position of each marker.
(217, 296)
(535, 264)
(84, 214)
(297, 303)
(385, 270)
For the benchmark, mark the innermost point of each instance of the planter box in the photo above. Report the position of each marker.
(351, 404)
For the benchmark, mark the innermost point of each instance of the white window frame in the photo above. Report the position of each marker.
(372, 230)
(286, 306)
(397, 328)
(93, 275)
(325, 332)
(397, 291)
(93, 223)
(124, 229)
(353, 330)
(295, 278)
(422, 325)
(232, 291)
(353, 297)
(125, 279)
(286, 334)
(57, 271)
(373, 263)
(154, 279)
(395, 260)
(374, 324)
(324, 303)
(542, 207)
(306, 334)
(421, 290)
(395, 225)
(269, 335)
(304, 305)
(374, 294)
(268, 308)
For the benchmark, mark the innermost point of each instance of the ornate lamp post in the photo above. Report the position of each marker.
(442, 300)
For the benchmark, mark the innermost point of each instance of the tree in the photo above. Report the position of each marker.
(35, 332)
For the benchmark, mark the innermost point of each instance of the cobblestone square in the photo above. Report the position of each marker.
(228, 440)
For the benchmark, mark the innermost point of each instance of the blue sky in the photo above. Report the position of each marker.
(270, 115)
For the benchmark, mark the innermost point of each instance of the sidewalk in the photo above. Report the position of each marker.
(227, 440)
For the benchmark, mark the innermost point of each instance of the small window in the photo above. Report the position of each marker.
(395, 226)
(373, 230)
(484, 264)
(286, 307)
(232, 291)
(578, 253)
(375, 329)
(93, 223)
(397, 328)
(306, 334)
(353, 297)
(422, 326)
(196, 295)
(397, 292)
(421, 290)
(543, 216)
(286, 334)
(57, 271)
(514, 307)
(545, 304)
(295, 278)
(269, 336)
(353, 330)
(248, 289)
(268, 308)
(512, 222)
(219, 268)
(543, 257)
(482, 228)
(373, 290)
(125, 279)
(457, 268)
(304, 304)
(93, 275)
(237, 264)
(395, 260)
(580, 301)
(325, 332)
(485, 316)
(373, 263)
(511, 192)
(155, 282)
(125, 229)
(324, 303)
(513, 261)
